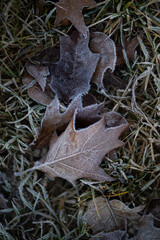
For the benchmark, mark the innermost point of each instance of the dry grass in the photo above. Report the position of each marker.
(37, 208)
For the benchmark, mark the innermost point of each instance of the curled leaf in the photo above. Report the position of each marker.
(72, 74)
(105, 46)
(71, 9)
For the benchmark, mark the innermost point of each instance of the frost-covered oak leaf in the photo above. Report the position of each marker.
(72, 10)
(102, 44)
(54, 119)
(80, 149)
(72, 74)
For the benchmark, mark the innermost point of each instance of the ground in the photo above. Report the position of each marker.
(33, 206)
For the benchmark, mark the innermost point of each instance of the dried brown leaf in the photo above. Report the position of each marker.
(72, 74)
(27, 79)
(79, 150)
(38, 95)
(110, 79)
(88, 99)
(106, 222)
(72, 10)
(114, 119)
(102, 44)
(130, 46)
(55, 120)
(35, 92)
(38, 72)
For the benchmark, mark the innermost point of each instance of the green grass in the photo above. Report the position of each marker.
(36, 207)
